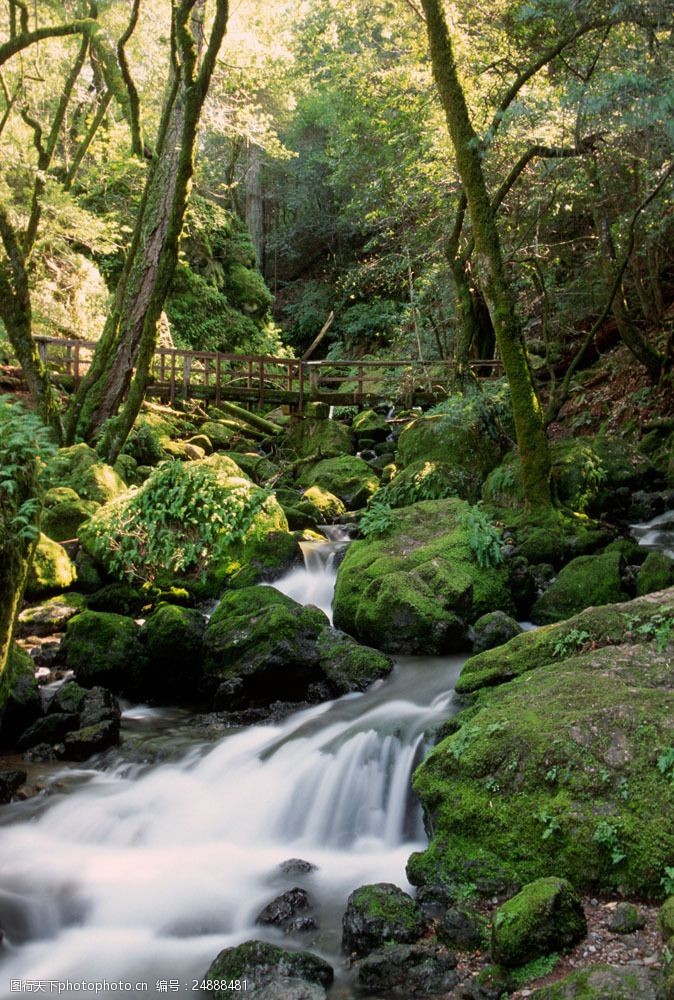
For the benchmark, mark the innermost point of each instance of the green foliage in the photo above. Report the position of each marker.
(483, 538)
(176, 523)
(666, 763)
(378, 516)
(570, 643)
(26, 447)
(536, 969)
(607, 834)
(667, 880)
(550, 823)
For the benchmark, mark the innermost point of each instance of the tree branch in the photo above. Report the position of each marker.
(546, 152)
(28, 38)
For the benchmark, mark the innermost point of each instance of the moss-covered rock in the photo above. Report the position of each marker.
(267, 558)
(423, 480)
(406, 971)
(468, 437)
(61, 521)
(260, 646)
(612, 625)
(264, 965)
(51, 616)
(416, 588)
(320, 505)
(377, 914)
(320, 438)
(656, 573)
(51, 570)
(584, 582)
(556, 773)
(219, 433)
(546, 916)
(348, 666)
(105, 649)
(368, 424)
(257, 467)
(191, 519)
(80, 468)
(603, 982)
(22, 704)
(349, 478)
(666, 919)
(626, 919)
(493, 629)
(173, 638)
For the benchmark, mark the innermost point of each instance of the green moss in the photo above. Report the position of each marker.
(80, 468)
(656, 573)
(602, 982)
(320, 439)
(546, 916)
(609, 625)
(555, 774)
(320, 505)
(173, 639)
(105, 649)
(347, 665)
(260, 964)
(61, 521)
(416, 588)
(666, 919)
(584, 582)
(368, 424)
(51, 569)
(349, 478)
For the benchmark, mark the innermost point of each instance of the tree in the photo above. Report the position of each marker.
(531, 437)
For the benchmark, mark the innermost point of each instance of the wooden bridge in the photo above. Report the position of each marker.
(262, 380)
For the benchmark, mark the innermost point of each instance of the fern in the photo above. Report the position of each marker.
(484, 539)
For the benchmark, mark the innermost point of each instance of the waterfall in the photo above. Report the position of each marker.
(143, 873)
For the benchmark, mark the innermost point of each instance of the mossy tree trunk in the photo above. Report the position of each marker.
(121, 367)
(531, 437)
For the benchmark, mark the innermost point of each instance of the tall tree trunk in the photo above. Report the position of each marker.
(531, 437)
(255, 203)
(122, 360)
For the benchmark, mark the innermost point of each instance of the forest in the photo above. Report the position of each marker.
(337, 498)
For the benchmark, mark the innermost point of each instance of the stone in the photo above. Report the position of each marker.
(347, 665)
(460, 929)
(604, 982)
(103, 648)
(61, 521)
(51, 616)
(173, 638)
(50, 729)
(407, 971)
(370, 425)
(666, 919)
(553, 773)
(379, 914)
(282, 910)
(416, 588)
(348, 477)
(493, 629)
(10, 782)
(311, 437)
(626, 919)
(23, 704)
(82, 743)
(320, 505)
(51, 569)
(297, 866)
(546, 916)
(80, 468)
(587, 581)
(656, 573)
(267, 969)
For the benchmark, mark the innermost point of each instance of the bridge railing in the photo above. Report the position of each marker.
(176, 372)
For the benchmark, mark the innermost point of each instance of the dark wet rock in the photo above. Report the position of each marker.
(407, 971)
(284, 908)
(23, 705)
(301, 925)
(459, 928)
(435, 899)
(69, 698)
(10, 782)
(546, 916)
(173, 637)
(99, 705)
(49, 729)
(377, 914)
(41, 753)
(51, 616)
(297, 866)
(585, 581)
(270, 972)
(493, 629)
(83, 743)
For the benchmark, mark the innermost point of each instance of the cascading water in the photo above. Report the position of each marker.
(143, 873)
(658, 533)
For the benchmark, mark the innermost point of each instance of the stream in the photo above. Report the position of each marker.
(140, 873)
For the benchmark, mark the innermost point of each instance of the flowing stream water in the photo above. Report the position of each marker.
(140, 873)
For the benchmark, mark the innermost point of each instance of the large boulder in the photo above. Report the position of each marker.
(469, 436)
(261, 646)
(103, 648)
(368, 425)
(266, 969)
(564, 771)
(51, 616)
(311, 437)
(22, 704)
(604, 982)
(349, 478)
(173, 638)
(403, 970)
(195, 519)
(612, 625)
(379, 914)
(51, 569)
(80, 468)
(546, 916)
(656, 573)
(416, 588)
(584, 582)
(63, 513)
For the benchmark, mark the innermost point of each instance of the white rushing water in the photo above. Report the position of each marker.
(657, 534)
(142, 874)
